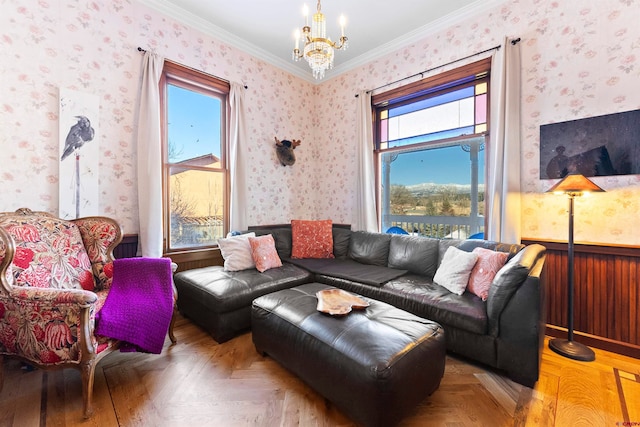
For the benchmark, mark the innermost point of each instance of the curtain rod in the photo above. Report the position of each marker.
(513, 42)
(182, 65)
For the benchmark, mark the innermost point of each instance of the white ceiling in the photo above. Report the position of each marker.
(264, 28)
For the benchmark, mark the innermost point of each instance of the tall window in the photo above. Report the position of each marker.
(195, 169)
(430, 151)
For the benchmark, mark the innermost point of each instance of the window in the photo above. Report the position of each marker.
(195, 169)
(430, 152)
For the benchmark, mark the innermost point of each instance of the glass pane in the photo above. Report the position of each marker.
(196, 207)
(452, 115)
(467, 130)
(384, 131)
(481, 88)
(193, 126)
(432, 102)
(481, 108)
(437, 192)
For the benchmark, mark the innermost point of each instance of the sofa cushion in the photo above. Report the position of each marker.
(511, 248)
(282, 237)
(263, 251)
(488, 264)
(417, 254)
(453, 273)
(236, 252)
(311, 239)
(349, 270)
(443, 245)
(369, 248)
(225, 291)
(341, 239)
(420, 296)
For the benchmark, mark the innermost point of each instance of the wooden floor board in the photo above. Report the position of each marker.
(198, 382)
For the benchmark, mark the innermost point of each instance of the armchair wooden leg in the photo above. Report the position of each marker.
(172, 337)
(88, 372)
(1, 371)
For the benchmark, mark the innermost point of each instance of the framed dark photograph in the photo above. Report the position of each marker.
(595, 146)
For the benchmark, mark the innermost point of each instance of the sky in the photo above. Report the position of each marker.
(448, 165)
(194, 123)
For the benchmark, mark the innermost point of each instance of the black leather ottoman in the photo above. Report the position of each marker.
(374, 364)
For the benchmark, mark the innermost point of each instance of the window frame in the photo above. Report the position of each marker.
(428, 87)
(199, 82)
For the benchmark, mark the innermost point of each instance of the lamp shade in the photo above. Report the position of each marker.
(575, 183)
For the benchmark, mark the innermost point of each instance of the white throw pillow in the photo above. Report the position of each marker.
(236, 252)
(455, 269)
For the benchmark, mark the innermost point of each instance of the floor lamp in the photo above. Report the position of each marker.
(573, 185)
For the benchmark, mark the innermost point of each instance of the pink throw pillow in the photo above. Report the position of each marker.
(488, 264)
(311, 239)
(263, 251)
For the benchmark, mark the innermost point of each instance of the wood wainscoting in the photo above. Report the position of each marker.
(185, 260)
(606, 298)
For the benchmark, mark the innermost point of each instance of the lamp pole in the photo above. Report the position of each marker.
(570, 286)
(569, 347)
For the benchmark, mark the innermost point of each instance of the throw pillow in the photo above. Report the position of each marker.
(454, 270)
(263, 251)
(311, 239)
(488, 264)
(236, 252)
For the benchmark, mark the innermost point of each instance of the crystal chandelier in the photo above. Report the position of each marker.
(318, 49)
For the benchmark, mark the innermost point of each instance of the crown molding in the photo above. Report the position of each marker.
(433, 27)
(224, 36)
(194, 21)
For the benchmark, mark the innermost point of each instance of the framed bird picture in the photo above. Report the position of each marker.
(79, 154)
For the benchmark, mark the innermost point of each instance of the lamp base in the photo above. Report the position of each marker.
(572, 350)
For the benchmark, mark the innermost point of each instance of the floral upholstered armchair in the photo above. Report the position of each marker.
(55, 276)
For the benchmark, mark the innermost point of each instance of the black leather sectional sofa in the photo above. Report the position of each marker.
(505, 332)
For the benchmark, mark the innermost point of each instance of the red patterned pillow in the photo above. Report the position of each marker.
(488, 264)
(311, 239)
(263, 251)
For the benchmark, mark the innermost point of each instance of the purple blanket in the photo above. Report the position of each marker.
(139, 306)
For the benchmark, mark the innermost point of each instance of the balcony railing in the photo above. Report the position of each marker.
(454, 227)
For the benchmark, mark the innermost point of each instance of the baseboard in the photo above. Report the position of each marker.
(602, 343)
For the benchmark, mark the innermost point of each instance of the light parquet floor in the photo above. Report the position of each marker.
(201, 383)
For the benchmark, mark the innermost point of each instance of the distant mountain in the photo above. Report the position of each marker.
(427, 188)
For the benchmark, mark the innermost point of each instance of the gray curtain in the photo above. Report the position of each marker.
(503, 189)
(149, 150)
(365, 216)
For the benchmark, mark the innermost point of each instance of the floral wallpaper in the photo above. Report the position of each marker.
(580, 58)
(91, 46)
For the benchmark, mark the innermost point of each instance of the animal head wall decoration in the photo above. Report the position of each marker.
(284, 150)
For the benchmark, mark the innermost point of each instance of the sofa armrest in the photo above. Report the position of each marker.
(508, 280)
(522, 326)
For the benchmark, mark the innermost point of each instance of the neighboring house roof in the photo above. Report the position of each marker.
(206, 160)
